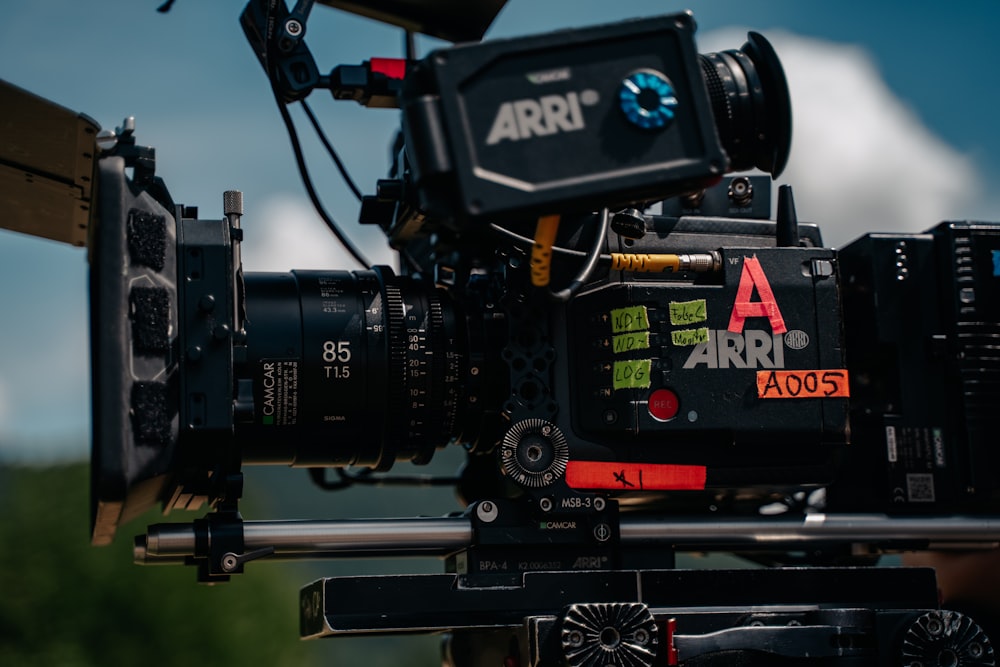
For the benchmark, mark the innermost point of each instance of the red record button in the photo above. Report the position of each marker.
(663, 404)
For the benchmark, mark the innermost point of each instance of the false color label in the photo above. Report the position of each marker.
(631, 373)
(633, 318)
(688, 312)
(802, 384)
(635, 476)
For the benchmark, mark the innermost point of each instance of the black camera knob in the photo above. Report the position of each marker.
(534, 453)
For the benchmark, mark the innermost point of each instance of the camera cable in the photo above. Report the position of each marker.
(593, 257)
(331, 151)
(300, 162)
(541, 255)
(366, 477)
(635, 262)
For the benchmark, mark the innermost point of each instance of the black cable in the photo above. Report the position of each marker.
(300, 161)
(410, 261)
(594, 256)
(366, 478)
(400, 480)
(558, 250)
(410, 45)
(331, 151)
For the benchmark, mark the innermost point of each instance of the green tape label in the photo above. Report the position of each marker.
(630, 341)
(687, 337)
(632, 318)
(632, 374)
(688, 312)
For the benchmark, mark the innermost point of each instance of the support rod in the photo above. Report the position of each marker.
(441, 536)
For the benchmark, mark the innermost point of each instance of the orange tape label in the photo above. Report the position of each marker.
(802, 384)
(634, 476)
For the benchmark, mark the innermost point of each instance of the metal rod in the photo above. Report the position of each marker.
(868, 528)
(399, 536)
(441, 536)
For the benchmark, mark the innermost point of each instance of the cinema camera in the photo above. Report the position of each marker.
(626, 384)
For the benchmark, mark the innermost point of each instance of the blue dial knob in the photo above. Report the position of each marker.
(647, 98)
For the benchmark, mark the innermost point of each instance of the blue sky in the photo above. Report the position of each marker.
(894, 129)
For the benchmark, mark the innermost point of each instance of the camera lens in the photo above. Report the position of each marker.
(751, 104)
(348, 368)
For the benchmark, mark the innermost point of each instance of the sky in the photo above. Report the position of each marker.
(894, 130)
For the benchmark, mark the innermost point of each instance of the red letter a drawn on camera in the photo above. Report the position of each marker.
(753, 276)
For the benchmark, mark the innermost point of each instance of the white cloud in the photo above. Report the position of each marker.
(861, 159)
(285, 233)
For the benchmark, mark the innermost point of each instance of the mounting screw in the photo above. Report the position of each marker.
(230, 562)
(487, 511)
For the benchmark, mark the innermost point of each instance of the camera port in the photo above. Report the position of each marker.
(741, 191)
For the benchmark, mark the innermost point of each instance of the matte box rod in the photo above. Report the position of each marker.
(441, 536)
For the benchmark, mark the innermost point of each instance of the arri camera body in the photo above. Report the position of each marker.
(626, 383)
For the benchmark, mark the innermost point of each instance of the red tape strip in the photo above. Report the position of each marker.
(635, 476)
(753, 276)
(394, 68)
